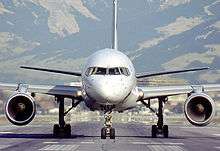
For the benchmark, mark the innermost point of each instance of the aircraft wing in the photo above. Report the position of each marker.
(57, 90)
(53, 71)
(145, 75)
(163, 91)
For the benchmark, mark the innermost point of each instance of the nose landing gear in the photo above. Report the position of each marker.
(108, 130)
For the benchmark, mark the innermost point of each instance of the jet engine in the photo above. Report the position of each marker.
(199, 109)
(20, 109)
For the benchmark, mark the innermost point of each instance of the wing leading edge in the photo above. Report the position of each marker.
(53, 71)
(145, 75)
(160, 91)
(57, 90)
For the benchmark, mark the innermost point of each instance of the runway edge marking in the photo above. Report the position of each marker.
(156, 143)
(60, 147)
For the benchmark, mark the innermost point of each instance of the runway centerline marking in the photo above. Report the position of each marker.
(87, 142)
(140, 143)
(50, 142)
(170, 143)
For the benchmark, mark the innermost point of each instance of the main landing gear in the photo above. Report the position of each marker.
(108, 130)
(160, 128)
(63, 130)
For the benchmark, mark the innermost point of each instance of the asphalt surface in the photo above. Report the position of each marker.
(129, 137)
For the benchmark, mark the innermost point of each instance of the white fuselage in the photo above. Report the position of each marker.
(109, 80)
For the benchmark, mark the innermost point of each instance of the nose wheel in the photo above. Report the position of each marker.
(107, 130)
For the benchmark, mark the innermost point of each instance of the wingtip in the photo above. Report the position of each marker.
(206, 68)
(23, 67)
(203, 68)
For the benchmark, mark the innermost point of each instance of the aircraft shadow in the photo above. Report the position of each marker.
(50, 136)
(38, 136)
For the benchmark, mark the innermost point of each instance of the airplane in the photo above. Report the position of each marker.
(109, 83)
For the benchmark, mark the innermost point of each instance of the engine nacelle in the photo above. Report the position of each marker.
(199, 109)
(20, 109)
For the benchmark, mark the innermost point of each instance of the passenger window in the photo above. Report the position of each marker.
(101, 71)
(114, 71)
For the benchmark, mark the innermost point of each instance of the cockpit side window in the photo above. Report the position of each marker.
(89, 71)
(113, 71)
(124, 71)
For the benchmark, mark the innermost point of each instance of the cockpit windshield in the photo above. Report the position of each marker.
(113, 71)
(96, 70)
(107, 71)
(100, 71)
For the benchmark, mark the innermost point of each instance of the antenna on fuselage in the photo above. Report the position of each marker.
(115, 22)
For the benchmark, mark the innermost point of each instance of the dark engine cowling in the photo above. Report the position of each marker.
(20, 109)
(199, 109)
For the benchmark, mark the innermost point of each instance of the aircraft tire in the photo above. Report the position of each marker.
(56, 129)
(165, 131)
(154, 131)
(67, 130)
(112, 133)
(103, 133)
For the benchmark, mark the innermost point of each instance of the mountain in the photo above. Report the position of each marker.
(155, 34)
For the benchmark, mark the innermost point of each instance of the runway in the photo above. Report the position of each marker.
(129, 137)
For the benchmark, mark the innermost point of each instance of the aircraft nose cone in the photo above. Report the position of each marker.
(109, 91)
(110, 94)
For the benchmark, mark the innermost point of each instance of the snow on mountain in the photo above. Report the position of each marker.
(156, 34)
(4, 10)
(180, 25)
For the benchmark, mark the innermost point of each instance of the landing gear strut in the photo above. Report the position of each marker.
(160, 128)
(107, 130)
(62, 129)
